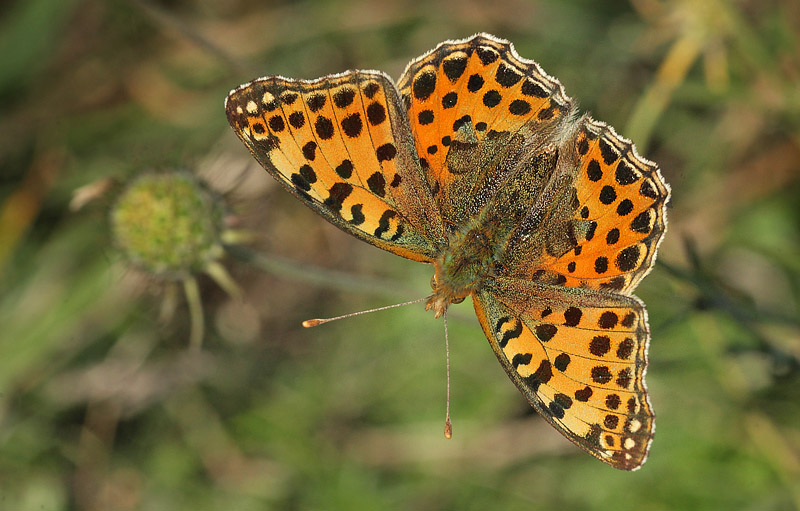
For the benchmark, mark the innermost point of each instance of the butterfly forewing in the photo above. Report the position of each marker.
(342, 145)
(467, 102)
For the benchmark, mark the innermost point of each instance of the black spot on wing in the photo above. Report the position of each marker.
(386, 152)
(344, 97)
(337, 195)
(492, 98)
(584, 394)
(376, 114)
(545, 331)
(510, 334)
(593, 171)
(600, 345)
(642, 222)
(371, 89)
(624, 378)
(556, 410)
(377, 184)
(315, 102)
(351, 125)
(572, 316)
(628, 258)
(583, 146)
(541, 376)
(625, 174)
(562, 361)
(276, 124)
(308, 173)
(310, 150)
(424, 85)
(425, 117)
(624, 207)
(449, 100)
(519, 107)
(506, 76)
(383, 223)
(289, 98)
(531, 88)
(601, 375)
(648, 190)
(628, 320)
(608, 320)
(475, 83)
(324, 127)
(613, 401)
(297, 120)
(521, 359)
(609, 154)
(608, 195)
(487, 55)
(625, 348)
(345, 169)
(454, 67)
(357, 214)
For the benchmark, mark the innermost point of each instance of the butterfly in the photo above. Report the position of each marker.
(478, 163)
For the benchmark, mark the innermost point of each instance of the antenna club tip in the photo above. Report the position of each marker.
(309, 323)
(448, 430)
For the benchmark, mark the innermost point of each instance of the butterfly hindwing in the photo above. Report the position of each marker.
(342, 146)
(603, 220)
(623, 199)
(579, 357)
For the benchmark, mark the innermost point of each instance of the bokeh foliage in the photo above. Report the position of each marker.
(102, 406)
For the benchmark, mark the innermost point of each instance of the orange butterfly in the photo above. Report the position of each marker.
(478, 163)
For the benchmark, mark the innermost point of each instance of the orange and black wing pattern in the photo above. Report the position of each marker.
(579, 357)
(611, 221)
(623, 198)
(466, 101)
(478, 163)
(343, 146)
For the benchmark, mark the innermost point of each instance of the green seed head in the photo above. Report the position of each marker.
(168, 224)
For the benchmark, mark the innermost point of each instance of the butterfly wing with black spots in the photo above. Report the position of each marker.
(342, 145)
(579, 357)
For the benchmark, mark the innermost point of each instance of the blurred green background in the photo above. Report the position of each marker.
(104, 407)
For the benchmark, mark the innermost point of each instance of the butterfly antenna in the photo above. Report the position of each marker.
(316, 322)
(448, 426)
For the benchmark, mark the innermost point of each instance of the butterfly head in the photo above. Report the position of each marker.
(461, 268)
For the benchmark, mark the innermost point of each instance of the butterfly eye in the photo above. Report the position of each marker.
(458, 300)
